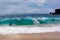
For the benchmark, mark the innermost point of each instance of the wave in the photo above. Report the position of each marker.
(29, 21)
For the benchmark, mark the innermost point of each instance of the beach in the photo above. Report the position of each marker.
(35, 32)
(38, 36)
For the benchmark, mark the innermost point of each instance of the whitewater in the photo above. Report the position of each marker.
(29, 29)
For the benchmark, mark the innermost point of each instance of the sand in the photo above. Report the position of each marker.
(38, 36)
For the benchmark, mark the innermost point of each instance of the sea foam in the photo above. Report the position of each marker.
(28, 29)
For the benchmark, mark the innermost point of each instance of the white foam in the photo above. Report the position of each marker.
(43, 18)
(24, 29)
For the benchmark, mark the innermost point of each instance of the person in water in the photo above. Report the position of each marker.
(10, 23)
(57, 12)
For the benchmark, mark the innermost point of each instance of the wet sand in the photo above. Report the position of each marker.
(38, 36)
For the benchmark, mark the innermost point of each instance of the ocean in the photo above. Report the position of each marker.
(29, 19)
(29, 23)
(36, 15)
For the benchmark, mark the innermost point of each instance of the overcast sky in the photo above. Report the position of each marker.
(28, 6)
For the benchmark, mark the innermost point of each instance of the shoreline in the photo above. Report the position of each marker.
(34, 36)
(29, 29)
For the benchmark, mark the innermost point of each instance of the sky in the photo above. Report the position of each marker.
(28, 6)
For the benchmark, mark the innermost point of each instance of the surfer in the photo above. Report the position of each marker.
(57, 12)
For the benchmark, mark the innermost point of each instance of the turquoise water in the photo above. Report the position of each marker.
(32, 19)
(49, 21)
(17, 22)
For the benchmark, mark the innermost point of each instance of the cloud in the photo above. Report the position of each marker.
(37, 1)
(54, 4)
(28, 6)
(20, 6)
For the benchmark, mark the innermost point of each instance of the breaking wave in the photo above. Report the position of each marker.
(29, 21)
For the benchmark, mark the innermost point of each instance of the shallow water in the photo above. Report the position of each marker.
(29, 29)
